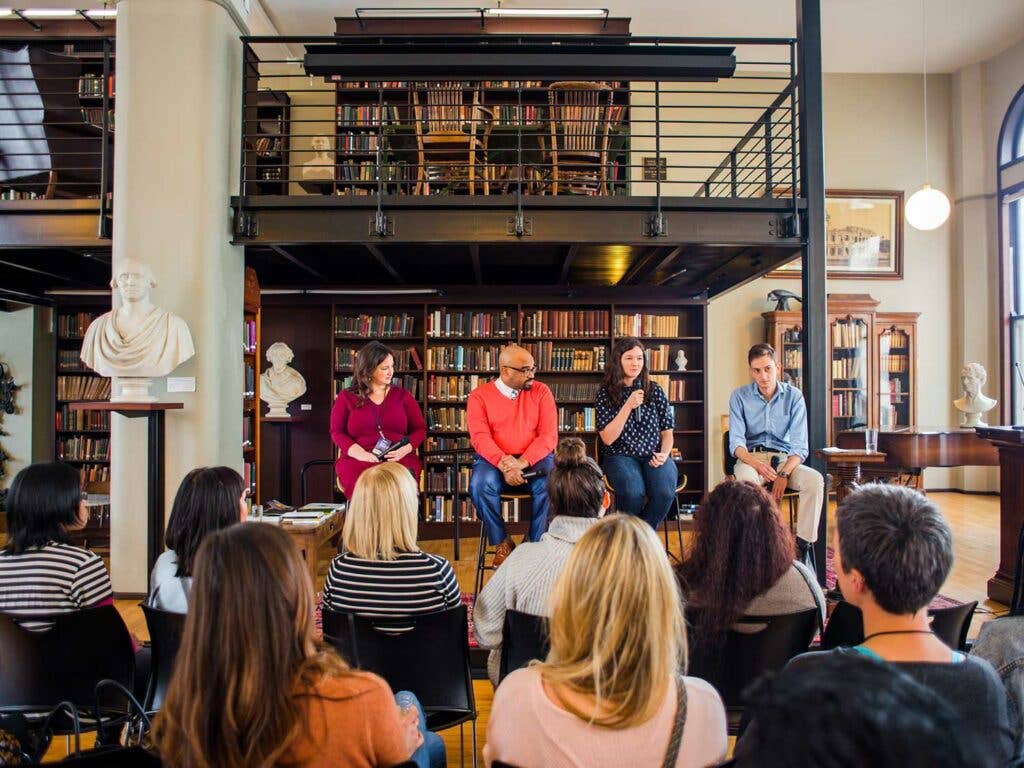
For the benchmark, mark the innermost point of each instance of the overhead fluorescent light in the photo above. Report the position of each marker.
(6, 12)
(78, 292)
(102, 13)
(50, 13)
(563, 12)
(351, 291)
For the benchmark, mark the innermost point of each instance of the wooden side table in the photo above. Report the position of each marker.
(844, 464)
(309, 538)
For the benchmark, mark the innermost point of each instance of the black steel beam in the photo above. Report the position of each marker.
(43, 272)
(50, 224)
(383, 261)
(297, 262)
(812, 186)
(570, 256)
(474, 255)
(26, 298)
(639, 266)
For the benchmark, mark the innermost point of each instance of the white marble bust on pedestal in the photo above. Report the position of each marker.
(681, 360)
(281, 383)
(321, 167)
(973, 404)
(136, 341)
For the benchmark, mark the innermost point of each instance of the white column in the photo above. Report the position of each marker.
(176, 166)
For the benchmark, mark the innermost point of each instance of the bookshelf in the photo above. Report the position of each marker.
(269, 143)
(873, 355)
(251, 347)
(444, 349)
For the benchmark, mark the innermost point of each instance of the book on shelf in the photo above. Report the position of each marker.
(565, 322)
(94, 473)
(248, 430)
(74, 326)
(249, 383)
(249, 336)
(577, 419)
(516, 114)
(365, 84)
(849, 334)
(453, 388)
(369, 326)
(69, 360)
(446, 418)
(91, 85)
(407, 359)
(445, 323)
(793, 358)
(349, 143)
(83, 388)
(896, 363)
(657, 357)
(646, 324)
(676, 389)
(440, 509)
(249, 475)
(83, 448)
(848, 367)
(433, 443)
(551, 358)
(848, 405)
(576, 391)
(67, 420)
(474, 357)
(97, 507)
(443, 480)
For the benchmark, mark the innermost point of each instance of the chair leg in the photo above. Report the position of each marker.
(481, 552)
(472, 726)
(462, 744)
(679, 531)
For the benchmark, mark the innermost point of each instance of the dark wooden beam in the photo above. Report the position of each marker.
(383, 261)
(722, 269)
(570, 256)
(33, 270)
(474, 255)
(297, 262)
(639, 266)
(26, 298)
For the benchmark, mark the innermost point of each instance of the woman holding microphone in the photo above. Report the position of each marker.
(635, 422)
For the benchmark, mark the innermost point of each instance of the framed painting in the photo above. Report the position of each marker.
(863, 236)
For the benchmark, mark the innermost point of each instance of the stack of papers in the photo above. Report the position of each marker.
(311, 514)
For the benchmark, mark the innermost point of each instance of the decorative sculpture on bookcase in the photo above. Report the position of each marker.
(137, 341)
(281, 383)
(7, 391)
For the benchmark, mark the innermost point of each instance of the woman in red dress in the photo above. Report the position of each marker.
(371, 409)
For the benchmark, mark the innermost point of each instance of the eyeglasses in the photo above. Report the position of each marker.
(524, 369)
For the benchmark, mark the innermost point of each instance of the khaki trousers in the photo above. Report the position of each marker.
(807, 481)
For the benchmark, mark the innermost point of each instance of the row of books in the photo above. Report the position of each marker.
(444, 323)
(440, 509)
(94, 116)
(894, 340)
(248, 430)
(657, 358)
(83, 388)
(434, 443)
(896, 363)
(357, 142)
(577, 419)
(641, 324)
(367, 171)
(249, 336)
(453, 388)
(249, 383)
(368, 326)
(68, 420)
(793, 358)
(793, 336)
(20, 194)
(91, 85)
(95, 473)
(442, 480)
(446, 418)
(366, 83)
(575, 391)
(412, 384)
(69, 360)
(74, 326)
(848, 367)
(267, 146)
(848, 404)
(551, 358)
(849, 334)
(514, 114)
(459, 358)
(407, 359)
(83, 449)
(365, 115)
(562, 322)
(676, 389)
(249, 477)
(97, 506)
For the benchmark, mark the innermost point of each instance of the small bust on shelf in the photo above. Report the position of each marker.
(321, 167)
(281, 384)
(137, 340)
(681, 360)
(973, 404)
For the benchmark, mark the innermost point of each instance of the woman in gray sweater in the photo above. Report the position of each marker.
(523, 583)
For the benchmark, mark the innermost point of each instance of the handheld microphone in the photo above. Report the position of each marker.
(639, 413)
(530, 474)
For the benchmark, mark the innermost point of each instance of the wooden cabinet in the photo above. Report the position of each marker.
(251, 349)
(873, 357)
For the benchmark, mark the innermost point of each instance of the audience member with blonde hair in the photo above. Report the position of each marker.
(383, 573)
(252, 688)
(611, 692)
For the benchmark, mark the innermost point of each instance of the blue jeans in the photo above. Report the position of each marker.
(635, 481)
(431, 753)
(486, 485)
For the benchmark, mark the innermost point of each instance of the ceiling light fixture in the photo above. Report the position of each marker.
(102, 13)
(588, 13)
(928, 208)
(50, 13)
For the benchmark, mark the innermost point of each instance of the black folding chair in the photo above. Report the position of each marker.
(431, 660)
(744, 656)
(165, 630)
(845, 626)
(40, 669)
(524, 637)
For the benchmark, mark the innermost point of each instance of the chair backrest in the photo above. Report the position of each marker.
(728, 460)
(845, 626)
(165, 630)
(579, 116)
(64, 663)
(129, 757)
(744, 656)
(446, 107)
(431, 659)
(524, 637)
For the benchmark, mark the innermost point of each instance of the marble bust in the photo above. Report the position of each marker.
(321, 167)
(681, 360)
(973, 404)
(137, 340)
(281, 383)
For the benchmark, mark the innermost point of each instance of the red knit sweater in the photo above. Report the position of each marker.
(526, 427)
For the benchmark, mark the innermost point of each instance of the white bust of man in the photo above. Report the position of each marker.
(681, 360)
(281, 383)
(138, 339)
(973, 404)
(321, 167)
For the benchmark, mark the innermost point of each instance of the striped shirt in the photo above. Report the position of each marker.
(413, 583)
(56, 578)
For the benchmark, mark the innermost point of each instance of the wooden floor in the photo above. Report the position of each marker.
(974, 520)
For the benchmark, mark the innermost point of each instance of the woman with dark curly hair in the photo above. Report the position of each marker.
(741, 563)
(372, 411)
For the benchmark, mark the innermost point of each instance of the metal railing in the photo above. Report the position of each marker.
(732, 137)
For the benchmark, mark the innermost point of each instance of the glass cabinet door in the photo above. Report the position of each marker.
(791, 356)
(895, 390)
(849, 374)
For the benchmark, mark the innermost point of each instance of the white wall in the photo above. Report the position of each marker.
(16, 353)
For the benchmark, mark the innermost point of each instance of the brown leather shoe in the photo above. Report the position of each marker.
(502, 551)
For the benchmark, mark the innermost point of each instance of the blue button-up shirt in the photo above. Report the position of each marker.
(779, 424)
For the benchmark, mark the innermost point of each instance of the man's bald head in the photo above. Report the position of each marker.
(516, 367)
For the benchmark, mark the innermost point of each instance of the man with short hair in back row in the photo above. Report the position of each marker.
(768, 437)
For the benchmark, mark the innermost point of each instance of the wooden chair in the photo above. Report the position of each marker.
(452, 129)
(579, 115)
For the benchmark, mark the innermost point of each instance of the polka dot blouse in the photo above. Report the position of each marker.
(641, 436)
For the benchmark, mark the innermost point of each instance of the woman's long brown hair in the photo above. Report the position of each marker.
(367, 359)
(741, 547)
(247, 650)
(614, 377)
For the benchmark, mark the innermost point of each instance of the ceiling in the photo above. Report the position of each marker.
(857, 35)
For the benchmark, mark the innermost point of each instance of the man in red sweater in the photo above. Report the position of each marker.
(513, 426)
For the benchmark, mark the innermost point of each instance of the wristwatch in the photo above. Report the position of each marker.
(783, 475)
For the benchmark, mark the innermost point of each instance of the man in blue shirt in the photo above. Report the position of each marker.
(768, 419)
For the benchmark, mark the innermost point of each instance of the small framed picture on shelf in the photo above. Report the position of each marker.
(863, 236)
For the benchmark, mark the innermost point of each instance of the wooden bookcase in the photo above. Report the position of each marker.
(251, 349)
(443, 349)
(872, 380)
(268, 154)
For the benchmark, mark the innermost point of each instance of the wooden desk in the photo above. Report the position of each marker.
(309, 538)
(844, 465)
(1010, 443)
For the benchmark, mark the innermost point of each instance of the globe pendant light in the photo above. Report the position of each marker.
(928, 208)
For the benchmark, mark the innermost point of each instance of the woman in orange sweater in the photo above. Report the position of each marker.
(278, 697)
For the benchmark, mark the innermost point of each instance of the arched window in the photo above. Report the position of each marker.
(1011, 232)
